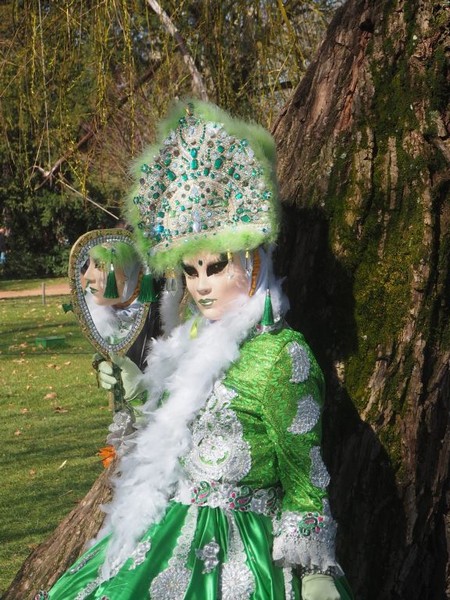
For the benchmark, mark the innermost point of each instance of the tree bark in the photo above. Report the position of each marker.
(364, 169)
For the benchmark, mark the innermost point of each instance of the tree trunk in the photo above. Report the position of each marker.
(51, 558)
(364, 157)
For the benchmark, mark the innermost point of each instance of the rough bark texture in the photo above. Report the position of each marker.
(364, 168)
(51, 558)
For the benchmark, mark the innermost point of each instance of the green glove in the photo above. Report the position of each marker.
(131, 375)
(319, 587)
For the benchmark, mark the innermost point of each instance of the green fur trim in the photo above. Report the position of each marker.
(228, 241)
(122, 255)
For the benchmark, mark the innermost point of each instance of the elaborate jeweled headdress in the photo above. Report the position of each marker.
(209, 184)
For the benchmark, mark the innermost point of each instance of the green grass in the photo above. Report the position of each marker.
(17, 285)
(54, 419)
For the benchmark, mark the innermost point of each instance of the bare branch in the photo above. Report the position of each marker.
(197, 80)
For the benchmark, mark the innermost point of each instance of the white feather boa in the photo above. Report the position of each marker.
(186, 369)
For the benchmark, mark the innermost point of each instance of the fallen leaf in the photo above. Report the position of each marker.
(68, 362)
(50, 396)
(60, 409)
(32, 472)
(17, 432)
(24, 410)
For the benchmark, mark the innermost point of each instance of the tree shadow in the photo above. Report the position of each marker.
(363, 493)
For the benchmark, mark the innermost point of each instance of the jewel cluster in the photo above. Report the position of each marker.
(203, 180)
(266, 501)
(208, 554)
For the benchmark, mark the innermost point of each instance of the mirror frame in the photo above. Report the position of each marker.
(79, 254)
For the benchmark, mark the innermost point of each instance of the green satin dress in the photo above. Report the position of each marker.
(252, 510)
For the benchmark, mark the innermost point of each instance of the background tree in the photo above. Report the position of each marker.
(364, 166)
(82, 84)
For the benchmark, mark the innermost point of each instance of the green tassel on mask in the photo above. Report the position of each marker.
(111, 291)
(147, 292)
(267, 318)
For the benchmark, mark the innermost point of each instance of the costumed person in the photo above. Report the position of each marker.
(221, 492)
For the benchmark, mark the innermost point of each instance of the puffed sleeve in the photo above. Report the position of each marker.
(304, 533)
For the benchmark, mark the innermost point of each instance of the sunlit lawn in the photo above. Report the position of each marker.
(54, 419)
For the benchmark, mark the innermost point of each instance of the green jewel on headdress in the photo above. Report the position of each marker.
(208, 185)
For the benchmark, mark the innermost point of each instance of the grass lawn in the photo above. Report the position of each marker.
(54, 419)
(17, 285)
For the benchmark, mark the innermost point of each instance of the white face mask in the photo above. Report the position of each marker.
(216, 286)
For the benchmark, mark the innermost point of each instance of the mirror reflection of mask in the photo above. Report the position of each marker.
(96, 276)
(215, 284)
(111, 324)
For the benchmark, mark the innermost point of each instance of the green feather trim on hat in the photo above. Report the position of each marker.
(123, 255)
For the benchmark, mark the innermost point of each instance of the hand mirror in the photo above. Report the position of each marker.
(105, 272)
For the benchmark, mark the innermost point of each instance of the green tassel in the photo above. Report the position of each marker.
(147, 293)
(111, 285)
(267, 318)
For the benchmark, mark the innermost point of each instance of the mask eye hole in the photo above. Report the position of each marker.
(216, 267)
(99, 264)
(189, 271)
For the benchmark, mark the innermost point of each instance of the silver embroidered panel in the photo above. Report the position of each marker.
(219, 451)
(300, 362)
(307, 417)
(319, 473)
(172, 583)
(237, 580)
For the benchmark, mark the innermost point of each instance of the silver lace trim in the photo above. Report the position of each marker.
(264, 501)
(300, 362)
(219, 451)
(172, 583)
(139, 554)
(319, 474)
(288, 587)
(208, 555)
(306, 539)
(84, 593)
(307, 417)
(83, 561)
(237, 581)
